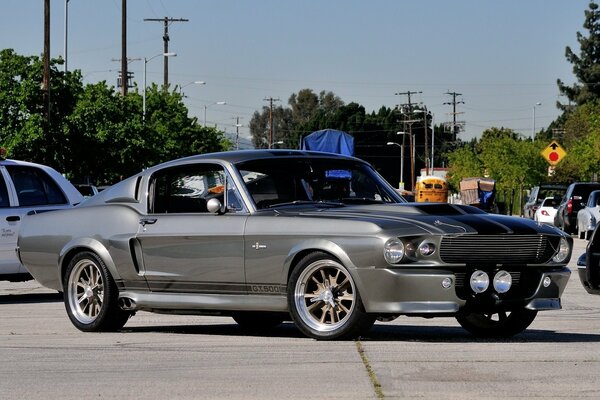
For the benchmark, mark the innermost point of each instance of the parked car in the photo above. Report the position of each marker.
(272, 235)
(86, 190)
(587, 216)
(588, 264)
(574, 200)
(546, 211)
(27, 188)
(539, 193)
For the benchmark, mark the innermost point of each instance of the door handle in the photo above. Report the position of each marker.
(148, 221)
(13, 218)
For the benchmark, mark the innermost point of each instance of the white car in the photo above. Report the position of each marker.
(587, 216)
(27, 188)
(546, 211)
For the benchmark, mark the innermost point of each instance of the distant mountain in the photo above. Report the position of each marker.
(245, 143)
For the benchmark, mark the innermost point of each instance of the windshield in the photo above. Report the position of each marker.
(289, 181)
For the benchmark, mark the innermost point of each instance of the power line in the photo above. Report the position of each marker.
(270, 100)
(456, 126)
(166, 39)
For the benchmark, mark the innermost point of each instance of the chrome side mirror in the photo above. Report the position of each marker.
(214, 206)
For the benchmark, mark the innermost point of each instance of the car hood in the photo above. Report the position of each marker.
(431, 218)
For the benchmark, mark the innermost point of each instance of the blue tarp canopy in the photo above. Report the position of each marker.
(330, 141)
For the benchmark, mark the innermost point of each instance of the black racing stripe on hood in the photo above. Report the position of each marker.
(490, 224)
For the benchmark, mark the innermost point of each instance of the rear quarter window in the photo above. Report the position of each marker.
(35, 187)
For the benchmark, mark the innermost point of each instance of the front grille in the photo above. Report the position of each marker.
(498, 249)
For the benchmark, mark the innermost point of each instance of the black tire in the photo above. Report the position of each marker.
(580, 234)
(323, 299)
(90, 295)
(258, 321)
(501, 324)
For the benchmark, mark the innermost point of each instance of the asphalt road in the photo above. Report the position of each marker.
(42, 356)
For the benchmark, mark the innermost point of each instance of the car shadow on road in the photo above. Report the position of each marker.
(31, 298)
(379, 333)
(447, 334)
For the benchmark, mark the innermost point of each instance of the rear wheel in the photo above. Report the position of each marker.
(324, 301)
(91, 295)
(501, 324)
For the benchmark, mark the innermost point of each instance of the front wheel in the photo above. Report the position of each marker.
(91, 295)
(501, 324)
(323, 299)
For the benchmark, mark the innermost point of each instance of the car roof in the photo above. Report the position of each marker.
(235, 157)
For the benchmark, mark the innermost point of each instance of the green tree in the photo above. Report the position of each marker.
(582, 143)
(586, 65)
(115, 142)
(25, 131)
(463, 163)
(93, 133)
(282, 128)
(500, 154)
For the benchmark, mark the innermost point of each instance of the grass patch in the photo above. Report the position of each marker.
(372, 376)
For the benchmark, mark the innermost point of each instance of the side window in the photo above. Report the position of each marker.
(3, 193)
(34, 187)
(187, 189)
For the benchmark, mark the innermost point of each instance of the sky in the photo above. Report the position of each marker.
(503, 56)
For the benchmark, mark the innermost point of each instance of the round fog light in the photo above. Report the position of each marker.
(547, 281)
(447, 283)
(480, 281)
(502, 281)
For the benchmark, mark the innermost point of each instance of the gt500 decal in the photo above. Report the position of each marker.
(268, 289)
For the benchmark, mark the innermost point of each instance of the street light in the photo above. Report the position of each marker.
(237, 135)
(146, 61)
(275, 143)
(191, 83)
(533, 121)
(401, 183)
(212, 104)
(66, 30)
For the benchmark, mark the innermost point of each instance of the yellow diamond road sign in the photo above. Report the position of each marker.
(553, 153)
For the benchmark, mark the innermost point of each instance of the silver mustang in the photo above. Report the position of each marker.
(265, 236)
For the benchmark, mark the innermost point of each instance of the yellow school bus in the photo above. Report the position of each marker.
(431, 189)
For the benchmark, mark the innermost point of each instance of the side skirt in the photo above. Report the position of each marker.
(170, 302)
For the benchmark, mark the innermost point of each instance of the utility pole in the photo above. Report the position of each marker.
(270, 100)
(409, 93)
(124, 82)
(46, 73)
(455, 125)
(166, 39)
(237, 133)
(410, 122)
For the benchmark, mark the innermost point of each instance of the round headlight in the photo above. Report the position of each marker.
(502, 281)
(480, 281)
(563, 251)
(393, 251)
(426, 249)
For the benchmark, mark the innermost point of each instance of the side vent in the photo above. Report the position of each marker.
(138, 184)
(136, 254)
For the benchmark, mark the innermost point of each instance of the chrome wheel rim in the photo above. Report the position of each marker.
(325, 295)
(86, 291)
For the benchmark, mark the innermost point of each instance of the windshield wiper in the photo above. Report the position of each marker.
(308, 202)
(361, 200)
